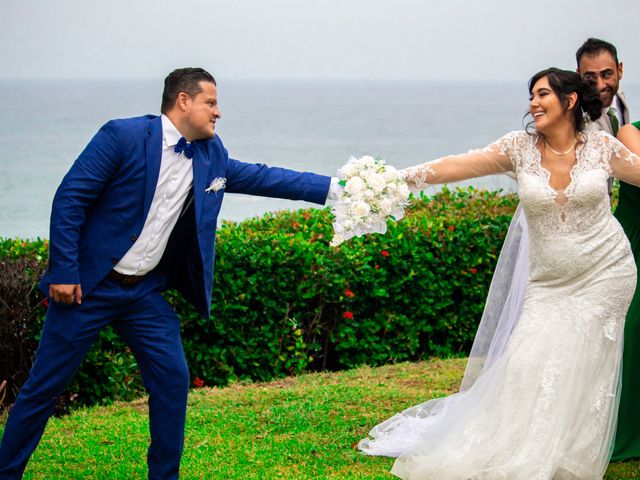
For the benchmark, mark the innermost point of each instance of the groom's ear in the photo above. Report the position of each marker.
(183, 101)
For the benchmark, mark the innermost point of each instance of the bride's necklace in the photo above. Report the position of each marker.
(561, 154)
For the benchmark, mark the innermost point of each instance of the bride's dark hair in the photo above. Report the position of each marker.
(564, 82)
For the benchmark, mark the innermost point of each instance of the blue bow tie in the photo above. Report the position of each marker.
(184, 146)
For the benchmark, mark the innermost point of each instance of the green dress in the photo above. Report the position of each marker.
(627, 445)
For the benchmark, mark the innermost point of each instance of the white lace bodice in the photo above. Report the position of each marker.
(582, 204)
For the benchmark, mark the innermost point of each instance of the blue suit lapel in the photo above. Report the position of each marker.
(153, 149)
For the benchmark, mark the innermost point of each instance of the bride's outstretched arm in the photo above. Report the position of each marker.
(493, 159)
(625, 159)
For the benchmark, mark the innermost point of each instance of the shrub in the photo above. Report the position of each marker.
(108, 372)
(416, 291)
(19, 310)
(285, 302)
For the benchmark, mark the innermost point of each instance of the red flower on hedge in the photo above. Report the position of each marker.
(348, 293)
(45, 303)
(384, 253)
(473, 270)
(347, 315)
(198, 382)
(451, 228)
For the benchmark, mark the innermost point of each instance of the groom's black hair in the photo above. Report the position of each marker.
(593, 46)
(185, 80)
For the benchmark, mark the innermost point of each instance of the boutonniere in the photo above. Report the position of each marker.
(216, 185)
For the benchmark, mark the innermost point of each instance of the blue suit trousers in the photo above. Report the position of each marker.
(150, 327)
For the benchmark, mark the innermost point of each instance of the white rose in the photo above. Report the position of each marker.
(354, 186)
(391, 188)
(358, 164)
(377, 183)
(360, 209)
(386, 206)
(390, 174)
(365, 173)
(348, 171)
(403, 191)
(369, 194)
(368, 161)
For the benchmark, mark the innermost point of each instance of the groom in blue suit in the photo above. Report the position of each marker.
(136, 214)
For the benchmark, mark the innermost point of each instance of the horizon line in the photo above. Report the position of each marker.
(276, 79)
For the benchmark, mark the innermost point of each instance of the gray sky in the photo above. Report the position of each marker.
(316, 39)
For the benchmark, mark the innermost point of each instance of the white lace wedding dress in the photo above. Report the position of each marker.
(542, 404)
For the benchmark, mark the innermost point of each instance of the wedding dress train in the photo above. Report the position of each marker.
(539, 398)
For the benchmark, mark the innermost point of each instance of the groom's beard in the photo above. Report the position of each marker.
(607, 95)
(202, 133)
(209, 132)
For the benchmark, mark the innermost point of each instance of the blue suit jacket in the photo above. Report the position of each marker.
(102, 203)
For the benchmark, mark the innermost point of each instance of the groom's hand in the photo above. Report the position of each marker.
(66, 293)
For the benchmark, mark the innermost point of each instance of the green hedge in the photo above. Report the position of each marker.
(285, 302)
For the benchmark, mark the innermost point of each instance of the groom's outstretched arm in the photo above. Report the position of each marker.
(260, 179)
(80, 187)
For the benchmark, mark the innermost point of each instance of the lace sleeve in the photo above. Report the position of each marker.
(624, 164)
(492, 159)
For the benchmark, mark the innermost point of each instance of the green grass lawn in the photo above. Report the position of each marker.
(296, 428)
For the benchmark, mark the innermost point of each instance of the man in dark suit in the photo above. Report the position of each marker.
(598, 61)
(136, 214)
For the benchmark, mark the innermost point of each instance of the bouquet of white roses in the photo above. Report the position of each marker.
(372, 192)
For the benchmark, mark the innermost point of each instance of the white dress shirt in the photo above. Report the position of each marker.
(174, 183)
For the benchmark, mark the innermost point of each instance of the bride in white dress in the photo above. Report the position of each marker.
(539, 397)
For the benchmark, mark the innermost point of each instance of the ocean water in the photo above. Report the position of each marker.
(303, 125)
